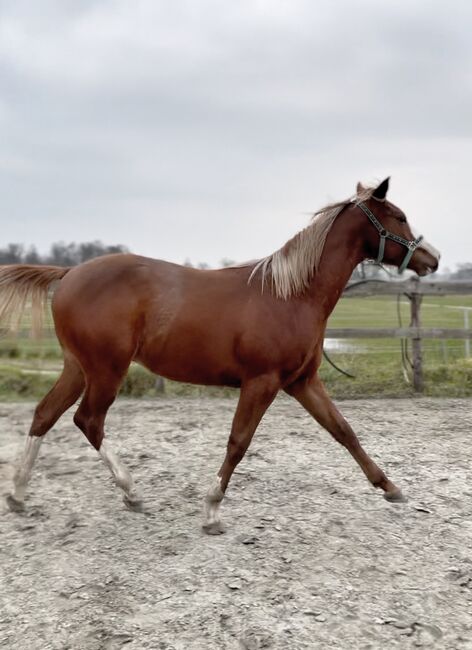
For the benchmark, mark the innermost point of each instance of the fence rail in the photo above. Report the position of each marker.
(397, 333)
(410, 286)
(414, 290)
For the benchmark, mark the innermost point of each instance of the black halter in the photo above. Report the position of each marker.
(411, 245)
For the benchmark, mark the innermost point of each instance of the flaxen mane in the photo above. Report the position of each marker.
(290, 269)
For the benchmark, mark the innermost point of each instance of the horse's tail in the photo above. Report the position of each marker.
(24, 285)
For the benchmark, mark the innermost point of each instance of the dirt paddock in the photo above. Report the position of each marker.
(312, 558)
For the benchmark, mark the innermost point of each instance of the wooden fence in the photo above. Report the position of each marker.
(414, 289)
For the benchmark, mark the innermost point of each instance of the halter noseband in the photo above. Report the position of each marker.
(411, 245)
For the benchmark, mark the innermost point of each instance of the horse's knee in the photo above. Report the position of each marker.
(40, 424)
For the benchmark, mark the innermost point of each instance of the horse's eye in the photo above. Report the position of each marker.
(402, 219)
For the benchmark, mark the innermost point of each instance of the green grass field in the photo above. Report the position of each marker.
(376, 363)
(383, 312)
(28, 367)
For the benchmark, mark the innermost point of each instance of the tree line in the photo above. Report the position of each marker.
(60, 253)
(463, 272)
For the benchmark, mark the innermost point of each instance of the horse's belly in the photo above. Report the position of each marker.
(198, 362)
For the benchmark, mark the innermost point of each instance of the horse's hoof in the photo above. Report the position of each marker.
(136, 505)
(395, 496)
(215, 528)
(13, 504)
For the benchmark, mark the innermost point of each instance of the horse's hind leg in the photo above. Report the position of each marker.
(314, 398)
(255, 398)
(63, 394)
(90, 418)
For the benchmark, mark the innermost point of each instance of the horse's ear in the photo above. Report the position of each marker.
(360, 189)
(380, 192)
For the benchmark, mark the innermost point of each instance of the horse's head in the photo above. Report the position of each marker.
(388, 236)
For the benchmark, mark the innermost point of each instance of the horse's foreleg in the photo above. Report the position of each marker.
(255, 398)
(90, 418)
(314, 398)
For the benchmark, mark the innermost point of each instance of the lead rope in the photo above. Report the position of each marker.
(331, 362)
(325, 354)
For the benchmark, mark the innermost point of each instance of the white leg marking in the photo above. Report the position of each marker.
(120, 473)
(213, 499)
(23, 472)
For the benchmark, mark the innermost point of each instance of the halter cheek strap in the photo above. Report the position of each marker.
(384, 234)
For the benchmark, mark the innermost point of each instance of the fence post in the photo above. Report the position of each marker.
(159, 384)
(415, 300)
(466, 326)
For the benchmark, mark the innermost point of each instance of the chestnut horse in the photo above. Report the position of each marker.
(258, 327)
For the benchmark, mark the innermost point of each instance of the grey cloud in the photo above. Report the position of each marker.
(225, 111)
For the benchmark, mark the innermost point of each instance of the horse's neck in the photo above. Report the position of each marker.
(343, 251)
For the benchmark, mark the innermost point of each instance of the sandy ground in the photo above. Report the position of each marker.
(313, 557)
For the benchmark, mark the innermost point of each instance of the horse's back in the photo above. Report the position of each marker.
(192, 325)
(172, 318)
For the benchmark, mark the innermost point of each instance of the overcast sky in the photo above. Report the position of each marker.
(207, 129)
